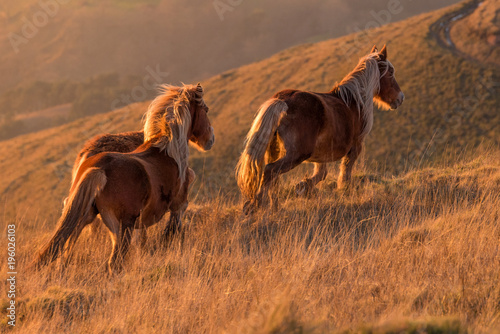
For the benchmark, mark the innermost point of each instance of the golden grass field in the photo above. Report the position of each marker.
(412, 247)
(450, 104)
(415, 253)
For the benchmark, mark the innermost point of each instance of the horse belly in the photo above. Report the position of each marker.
(151, 217)
(157, 205)
(330, 147)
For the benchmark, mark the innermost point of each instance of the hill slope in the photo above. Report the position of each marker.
(413, 254)
(82, 38)
(451, 103)
(55, 54)
(484, 28)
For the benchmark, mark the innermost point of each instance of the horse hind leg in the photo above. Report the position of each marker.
(306, 186)
(271, 172)
(121, 235)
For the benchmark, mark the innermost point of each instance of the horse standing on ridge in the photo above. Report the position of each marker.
(126, 142)
(141, 185)
(296, 126)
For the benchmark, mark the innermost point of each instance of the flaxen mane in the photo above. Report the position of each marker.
(167, 122)
(361, 84)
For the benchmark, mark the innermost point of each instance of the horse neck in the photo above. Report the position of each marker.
(176, 147)
(357, 91)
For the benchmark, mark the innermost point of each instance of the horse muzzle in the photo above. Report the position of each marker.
(399, 101)
(208, 145)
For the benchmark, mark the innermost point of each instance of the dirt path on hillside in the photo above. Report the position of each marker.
(440, 29)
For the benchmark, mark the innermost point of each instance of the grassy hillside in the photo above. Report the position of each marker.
(413, 246)
(451, 104)
(484, 28)
(415, 253)
(82, 38)
(51, 52)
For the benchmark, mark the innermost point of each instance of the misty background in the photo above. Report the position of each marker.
(62, 60)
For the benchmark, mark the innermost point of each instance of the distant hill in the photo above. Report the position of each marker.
(478, 35)
(50, 41)
(451, 105)
(52, 49)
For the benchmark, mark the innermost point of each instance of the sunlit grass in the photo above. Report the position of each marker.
(417, 252)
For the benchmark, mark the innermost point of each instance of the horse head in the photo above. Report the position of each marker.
(390, 93)
(201, 132)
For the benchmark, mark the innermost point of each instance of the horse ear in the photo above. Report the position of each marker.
(199, 90)
(383, 53)
(374, 49)
(199, 94)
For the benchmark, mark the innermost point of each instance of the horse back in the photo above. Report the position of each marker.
(121, 142)
(320, 123)
(305, 111)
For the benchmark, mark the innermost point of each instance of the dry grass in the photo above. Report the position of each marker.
(417, 253)
(450, 104)
(442, 110)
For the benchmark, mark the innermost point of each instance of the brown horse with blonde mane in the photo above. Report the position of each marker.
(296, 126)
(127, 142)
(142, 185)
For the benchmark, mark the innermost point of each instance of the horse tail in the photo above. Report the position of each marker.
(76, 166)
(250, 166)
(77, 213)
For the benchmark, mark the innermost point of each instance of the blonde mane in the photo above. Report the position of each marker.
(167, 122)
(361, 85)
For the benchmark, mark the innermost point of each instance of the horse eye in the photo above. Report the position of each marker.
(207, 110)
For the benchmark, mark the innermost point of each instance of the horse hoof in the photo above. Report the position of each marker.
(305, 189)
(301, 188)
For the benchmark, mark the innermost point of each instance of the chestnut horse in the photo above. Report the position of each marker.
(296, 126)
(125, 142)
(144, 184)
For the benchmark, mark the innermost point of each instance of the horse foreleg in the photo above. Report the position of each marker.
(346, 166)
(173, 226)
(271, 173)
(305, 186)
